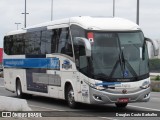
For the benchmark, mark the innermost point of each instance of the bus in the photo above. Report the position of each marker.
(79, 59)
(1, 57)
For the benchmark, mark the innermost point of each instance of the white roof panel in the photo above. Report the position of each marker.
(111, 24)
(16, 32)
(92, 23)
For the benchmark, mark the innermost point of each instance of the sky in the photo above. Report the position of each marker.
(40, 11)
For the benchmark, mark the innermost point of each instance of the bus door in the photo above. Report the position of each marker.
(82, 66)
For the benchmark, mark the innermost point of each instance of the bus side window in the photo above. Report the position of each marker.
(14, 44)
(8, 45)
(37, 43)
(32, 43)
(64, 43)
(54, 40)
(46, 42)
(82, 58)
(77, 31)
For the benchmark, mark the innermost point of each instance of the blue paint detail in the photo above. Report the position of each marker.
(108, 83)
(66, 62)
(54, 63)
(47, 63)
(126, 73)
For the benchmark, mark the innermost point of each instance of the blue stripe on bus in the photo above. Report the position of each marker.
(47, 63)
(108, 83)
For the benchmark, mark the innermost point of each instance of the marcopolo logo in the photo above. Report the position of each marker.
(66, 64)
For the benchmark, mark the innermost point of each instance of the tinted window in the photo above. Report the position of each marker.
(32, 43)
(14, 44)
(46, 42)
(8, 44)
(77, 31)
(64, 43)
(39, 42)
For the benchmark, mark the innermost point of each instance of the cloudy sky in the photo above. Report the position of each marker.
(40, 11)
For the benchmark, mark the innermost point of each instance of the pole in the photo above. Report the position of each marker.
(25, 13)
(51, 10)
(137, 12)
(113, 8)
(17, 25)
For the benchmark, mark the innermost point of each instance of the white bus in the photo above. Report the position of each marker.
(79, 59)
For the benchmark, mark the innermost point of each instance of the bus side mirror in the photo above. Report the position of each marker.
(86, 43)
(155, 46)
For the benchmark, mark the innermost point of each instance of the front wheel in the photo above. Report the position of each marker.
(19, 89)
(70, 97)
(121, 105)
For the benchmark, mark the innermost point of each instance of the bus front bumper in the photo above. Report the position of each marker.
(103, 97)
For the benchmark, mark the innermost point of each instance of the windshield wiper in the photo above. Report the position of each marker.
(130, 68)
(123, 61)
(143, 50)
(119, 61)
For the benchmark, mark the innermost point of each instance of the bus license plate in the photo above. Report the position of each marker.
(123, 100)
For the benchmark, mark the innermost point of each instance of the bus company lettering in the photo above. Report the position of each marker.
(15, 62)
(55, 63)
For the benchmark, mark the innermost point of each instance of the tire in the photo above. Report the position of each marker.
(121, 105)
(70, 97)
(19, 89)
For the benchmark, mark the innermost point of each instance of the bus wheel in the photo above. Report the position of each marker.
(70, 97)
(121, 105)
(19, 89)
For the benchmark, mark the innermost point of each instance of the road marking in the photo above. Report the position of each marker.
(144, 108)
(108, 118)
(45, 108)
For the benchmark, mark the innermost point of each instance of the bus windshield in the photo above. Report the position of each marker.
(119, 56)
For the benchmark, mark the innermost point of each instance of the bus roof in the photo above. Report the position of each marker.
(109, 24)
(91, 23)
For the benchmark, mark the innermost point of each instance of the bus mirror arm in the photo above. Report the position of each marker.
(87, 45)
(155, 46)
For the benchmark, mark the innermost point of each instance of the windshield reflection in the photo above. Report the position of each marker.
(118, 55)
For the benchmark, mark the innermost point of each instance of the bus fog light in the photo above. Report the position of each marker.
(97, 97)
(146, 95)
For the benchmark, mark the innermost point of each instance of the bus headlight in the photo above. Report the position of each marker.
(145, 85)
(98, 87)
